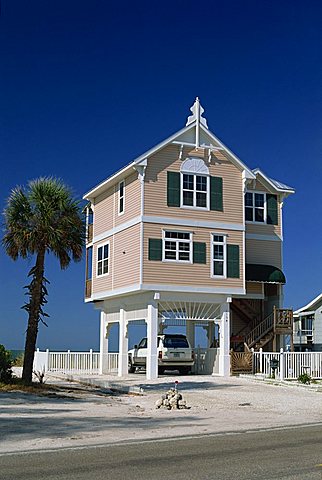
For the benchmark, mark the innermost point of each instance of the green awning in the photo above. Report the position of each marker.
(264, 273)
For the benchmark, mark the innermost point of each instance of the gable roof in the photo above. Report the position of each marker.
(195, 133)
(310, 306)
(275, 184)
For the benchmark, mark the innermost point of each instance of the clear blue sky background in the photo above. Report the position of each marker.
(86, 86)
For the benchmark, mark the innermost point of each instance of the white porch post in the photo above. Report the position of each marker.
(123, 345)
(152, 333)
(103, 341)
(224, 359)
(190, 332)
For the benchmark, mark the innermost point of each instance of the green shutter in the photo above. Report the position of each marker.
(271, 205)
(199, 252)
(233, 261)
(173, 189)
(216, 201)
(155, 249)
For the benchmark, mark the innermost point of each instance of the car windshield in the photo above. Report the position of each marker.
(175, 342)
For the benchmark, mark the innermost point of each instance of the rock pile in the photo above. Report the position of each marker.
(171, 400)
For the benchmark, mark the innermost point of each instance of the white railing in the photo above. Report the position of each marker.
(75, 362)
(290, 364)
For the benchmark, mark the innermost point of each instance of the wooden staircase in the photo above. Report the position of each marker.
(280, 321)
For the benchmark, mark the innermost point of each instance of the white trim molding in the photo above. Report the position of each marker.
(193, 223)
(257, 236)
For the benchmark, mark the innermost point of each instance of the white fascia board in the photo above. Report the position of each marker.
(258, 171)
(235, 160)
(309, 305)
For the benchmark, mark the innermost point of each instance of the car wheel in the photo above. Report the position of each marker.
(131, 367)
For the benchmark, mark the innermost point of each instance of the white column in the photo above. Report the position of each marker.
(224, 358)
(152, 333)
(282, 364)
(123, 346)
(190, 332)
(103, 341)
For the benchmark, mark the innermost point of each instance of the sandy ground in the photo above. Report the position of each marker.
(79, 415)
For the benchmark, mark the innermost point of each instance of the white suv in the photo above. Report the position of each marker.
(174, 353)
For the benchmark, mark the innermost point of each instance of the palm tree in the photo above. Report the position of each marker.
(40, 219)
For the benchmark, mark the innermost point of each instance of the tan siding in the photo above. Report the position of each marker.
(253, 287)
(132, 205)
(194, 275)
(127, 257)
(263, 252)
(102, 283)
(106, 214)
(263, 229)
(103, 212)
(155, 197)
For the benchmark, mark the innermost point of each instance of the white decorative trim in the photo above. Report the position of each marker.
(116, 292)
(197, 110)
(193, 223)
(258, 296)
(119, 228)
(257, 236)
(192, 289)
(194, 165)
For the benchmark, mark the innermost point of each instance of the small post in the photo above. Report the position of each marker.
(47, 360)
(91, 360)
(261, 360)
(68, 360)
(282, 365)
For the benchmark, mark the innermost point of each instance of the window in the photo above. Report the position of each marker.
(177, 246)
(121, 197)
(102, 259)
(307, 325)
(255, 210)
(219, 255)
(195, 190)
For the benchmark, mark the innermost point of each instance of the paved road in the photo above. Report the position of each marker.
(293, 453)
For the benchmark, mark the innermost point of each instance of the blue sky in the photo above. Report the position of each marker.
(85, 87)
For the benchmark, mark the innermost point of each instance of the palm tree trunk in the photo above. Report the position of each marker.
(33, 320)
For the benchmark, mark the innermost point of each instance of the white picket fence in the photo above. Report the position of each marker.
(290, 364)
(74, 362)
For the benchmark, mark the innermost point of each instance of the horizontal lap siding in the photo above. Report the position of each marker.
(264, 252)
(132, 205)
(127, 265)
(253, 287)
(106, 205)
(155, 193)
(103, 212)
(198, 275)
(100, 284)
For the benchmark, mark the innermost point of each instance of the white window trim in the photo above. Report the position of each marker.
(253, 207)
(177, 240)
(119, 198)
(193, 207)
(224, 243)
(108, 258)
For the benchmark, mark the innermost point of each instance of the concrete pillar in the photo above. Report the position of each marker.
(152, 333)
(103, 341)
(190, 332)
(224, 358)
(123, 346)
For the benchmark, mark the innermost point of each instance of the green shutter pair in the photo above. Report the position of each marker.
(173, 191)
(271, 205)
(155, 251)
(199, 255)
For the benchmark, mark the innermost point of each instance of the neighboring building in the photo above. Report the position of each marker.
(307, 333)
(188, 233)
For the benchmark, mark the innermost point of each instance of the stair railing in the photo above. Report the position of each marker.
(260, 330)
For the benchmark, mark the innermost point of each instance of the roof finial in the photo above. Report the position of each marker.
(195, 109)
